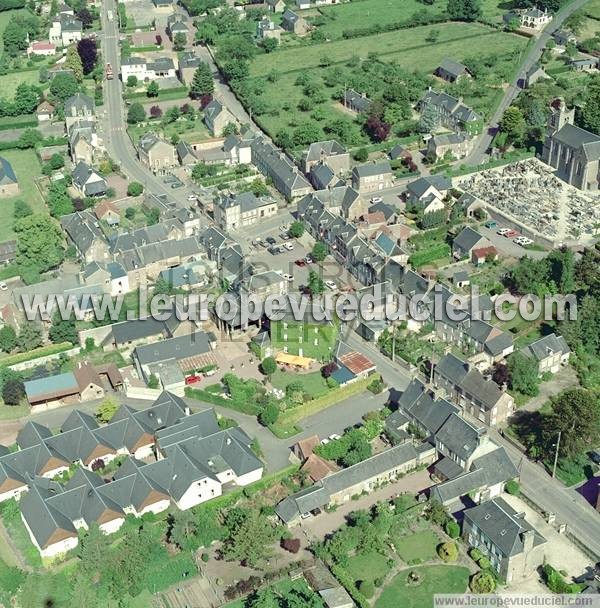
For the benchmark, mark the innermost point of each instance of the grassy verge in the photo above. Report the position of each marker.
(163, 95)
(239, 406)
(11, 516)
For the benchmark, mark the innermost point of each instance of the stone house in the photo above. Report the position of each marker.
(9, 184)
(550, 353)
(157, 154)
(217, 117)
(372, 177)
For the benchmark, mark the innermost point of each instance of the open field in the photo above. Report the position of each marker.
(591, 28)
(435, 579)
(592, 9)
(282, 93)
(27, 167)
(408, 49)
(367, 566)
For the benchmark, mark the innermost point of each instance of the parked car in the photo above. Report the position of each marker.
(271, 240)
(308, 259)
(192, 197)
(289, 246)
(502, 231)
(274, 250)
(491, 224)
(330, 285)
(192, 379)
(334, 437)
(595, 456)
(288, 277)
(523, 240)
(376, 199)
(301, 262)
(511, 234)
(3, 286)
(177, 184)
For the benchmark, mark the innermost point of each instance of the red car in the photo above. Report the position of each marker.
(301, 262)
(192, 379)
(511, 234)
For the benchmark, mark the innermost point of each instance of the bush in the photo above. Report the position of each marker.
(483, 582)
(484, 563)
(134, 189)
(376, 386)
(448, 552)
(512, 487)
(204, 557)
(475, 554)
(367, 588)
(556, 583)
(452, 529)
(97, 464)
(291, 544)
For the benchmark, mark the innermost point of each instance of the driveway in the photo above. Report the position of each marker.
(565, 378)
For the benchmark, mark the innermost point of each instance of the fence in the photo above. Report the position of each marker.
(23, 365)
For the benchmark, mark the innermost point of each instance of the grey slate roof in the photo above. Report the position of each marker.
(7, 174)
(546, 346)
(319, 149)
(83, 229)
(461, 437)
(174, 348)
(452, 67)
(360, 102)
(372, 169)
(467, 238)
(502, 525)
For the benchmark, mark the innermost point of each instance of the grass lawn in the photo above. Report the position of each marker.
(12, 412)
(592, 9)
(435, 579)
(315, 341)
(27, 167)
(419, 546)
(313, 383)
(188, 130)
(574, 470)
(10, 82)
(367, 566)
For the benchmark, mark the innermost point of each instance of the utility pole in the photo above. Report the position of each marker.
(556, 455)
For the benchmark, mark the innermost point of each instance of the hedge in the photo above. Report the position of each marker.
(36, 353)
(346, 580)
(240, 406)
(427, 256)
(24, 121)
(295, 414)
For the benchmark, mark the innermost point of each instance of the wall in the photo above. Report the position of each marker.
(199, 492)
(251, 477)
(43, 360)
(110, 527)
(157, 507)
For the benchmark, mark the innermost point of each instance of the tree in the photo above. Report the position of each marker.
(179, 41)
(437, 513)
(483, 582)
(13, 391)
(21, 209)
(39, 243)
(512, 487)
(268, 366)
(86, 18)
(136, 113)
(361, 155)
(155, 112)
(130, 213)
(523, 372)
(132, 81)
(183, 529)
(153, 89)
(202, 82)
(315, 283)
(63, 86)
(63, 330)
(513, 124)
(576, 415)
(30, 336)
(153, 381)
(448, 552)
(249, 538)
(94, 552)
(296, 229)
(88, 53)
(73, 62)
(269, 414)
(307, 133)
(452, 528)
(429, 119)
(377, 129)
(134, 189)
(8, 338)
(319, 251)
(589, 117)
(270, 44)
(464, 10)
(501, 375)
(26, 99)
(291, 544)
(106, 410)
(15, 37)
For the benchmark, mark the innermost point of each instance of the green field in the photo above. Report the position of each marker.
(419, 546)
(27, 167)
(409, 49)
(301, 337)
(435, 579)
(10, 82)
(592, 9)
(187, 130)
(367, 566)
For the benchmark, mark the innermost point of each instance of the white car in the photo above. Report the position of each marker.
(376, 199)
(325, 441)
(330, 285)
(192, 197)
(289, 246)
(523, 240)
(502, 231)
(3, 286)
(288, 277)
(334, 437)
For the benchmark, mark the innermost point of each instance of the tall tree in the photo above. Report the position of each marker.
(88, 53)
(464, 10)
(73, 62)
(523, 373)
(202, 83)
(30, 336)
(8, 338)
(589, 117)
(136, 113)
(39, 242)
(63, 86)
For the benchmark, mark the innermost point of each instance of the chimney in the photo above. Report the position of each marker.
(527, 536)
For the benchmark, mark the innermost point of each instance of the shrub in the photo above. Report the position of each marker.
(204, 557)
(452, 529)
(482, 582)
(367, 588)
(512, 487)
(97, 464)
(291, 544)
(556, 583)
(448, 552)
(475, 554)
(134, 189)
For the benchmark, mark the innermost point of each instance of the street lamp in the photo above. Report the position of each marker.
(556, 454)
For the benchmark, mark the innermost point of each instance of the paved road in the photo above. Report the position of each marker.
(568, 505)
(477, 155)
